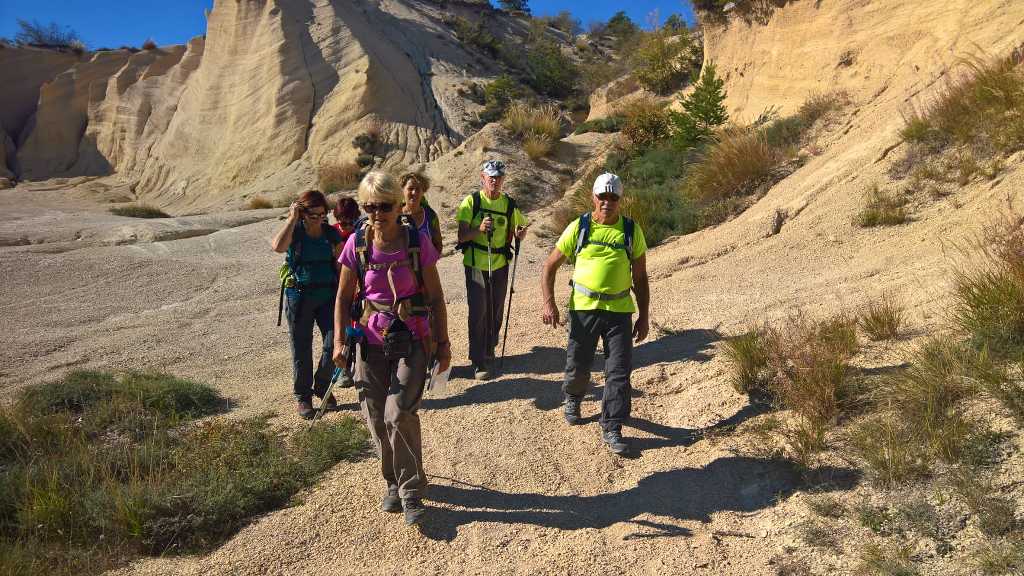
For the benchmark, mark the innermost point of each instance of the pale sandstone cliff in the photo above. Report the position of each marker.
(278, 88)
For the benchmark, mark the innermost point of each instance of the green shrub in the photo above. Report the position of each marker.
(664, 60)
(603, 125)
(475, 35)
(646, 123)
(139, 211)
(882, 209)
(549, 71)
(501, 92)
(119, 456)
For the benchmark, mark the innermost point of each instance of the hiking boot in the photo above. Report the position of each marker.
(614, 441)
(345, 379)
(414, 510)
(391, 501)
(305, 409)
(330, 404)
(572, 410)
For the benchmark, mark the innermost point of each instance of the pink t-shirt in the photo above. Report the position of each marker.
(377, 287)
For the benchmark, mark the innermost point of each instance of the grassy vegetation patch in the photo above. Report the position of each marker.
(97, 469)
(975, 121)
(882, 209)
(603, 125)
(139, 211)
(883, 319)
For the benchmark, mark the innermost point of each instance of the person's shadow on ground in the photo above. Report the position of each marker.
(541, 360)
(734, 483)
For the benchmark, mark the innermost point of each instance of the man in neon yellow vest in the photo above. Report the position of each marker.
(488, 221)
(609, 256)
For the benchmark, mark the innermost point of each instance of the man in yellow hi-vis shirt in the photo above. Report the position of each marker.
(608, 252)
(488, 222)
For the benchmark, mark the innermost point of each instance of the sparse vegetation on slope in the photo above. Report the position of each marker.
(335, 177)
(97, 469)
(882, 209)
(139, 211)
(974, 122)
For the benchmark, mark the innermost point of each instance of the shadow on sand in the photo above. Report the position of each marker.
(735, 483)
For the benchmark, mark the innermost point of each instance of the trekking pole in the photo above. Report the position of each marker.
(508, 313)
(280, 303)
(323, 404)
(489, 288)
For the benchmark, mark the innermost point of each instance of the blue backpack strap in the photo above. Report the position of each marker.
(582, 234)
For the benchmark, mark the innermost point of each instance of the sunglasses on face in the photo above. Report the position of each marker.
(379, 207)
(315, 215)
(607, 197)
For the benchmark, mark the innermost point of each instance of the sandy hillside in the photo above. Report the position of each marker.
(514, 489)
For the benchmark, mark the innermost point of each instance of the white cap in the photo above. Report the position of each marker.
(608, 183)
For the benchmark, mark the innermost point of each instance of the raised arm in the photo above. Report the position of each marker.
(547, 286)
(283, 239)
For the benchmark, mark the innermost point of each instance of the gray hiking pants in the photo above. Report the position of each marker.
(616, 329)
(390, 393)
(302, 314)
(481, 348)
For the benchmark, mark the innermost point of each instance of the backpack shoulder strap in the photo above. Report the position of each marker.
(413, 236)
(477, 205)
(627, 229)
(362, 257)
(582, 233)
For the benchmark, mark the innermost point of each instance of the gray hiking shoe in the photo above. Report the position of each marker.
(391, 501)
(305, 409)
(614, 441)
(414, 510)
(572, 410)
(483, 372)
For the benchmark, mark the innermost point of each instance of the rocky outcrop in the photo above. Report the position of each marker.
(23, 71)
(49, 143)
(276, 89)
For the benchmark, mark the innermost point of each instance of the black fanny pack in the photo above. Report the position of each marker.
(398, 340)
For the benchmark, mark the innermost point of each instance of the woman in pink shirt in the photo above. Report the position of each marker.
(405, 323)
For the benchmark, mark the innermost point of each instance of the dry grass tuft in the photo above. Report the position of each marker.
(139, 211)
(736, 165)
(335, 177)
(883, 319)
(259, 203)
(882, 209)
(827, 506)
(748, 355)
(523, 119)
(887, 560)
(1001, 557)
(537, 145)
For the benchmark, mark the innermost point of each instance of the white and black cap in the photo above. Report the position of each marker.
(493, 168)
(608, 183)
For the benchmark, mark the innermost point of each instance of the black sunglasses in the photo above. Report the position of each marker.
(379, 207)
(607, 197)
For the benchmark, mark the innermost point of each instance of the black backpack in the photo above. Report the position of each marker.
(505, 250)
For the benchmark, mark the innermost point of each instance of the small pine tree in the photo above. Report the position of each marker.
(703, 110)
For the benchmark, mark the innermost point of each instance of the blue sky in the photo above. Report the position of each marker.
(112, 23)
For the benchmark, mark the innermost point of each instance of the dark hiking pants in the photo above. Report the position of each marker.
(616, 329)
(481, 348)
(302, 314)
(390, 393)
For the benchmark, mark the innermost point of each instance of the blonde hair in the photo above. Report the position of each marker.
(378, 186)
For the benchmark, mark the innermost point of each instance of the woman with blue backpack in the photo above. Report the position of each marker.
(309, 283)
(390, 264)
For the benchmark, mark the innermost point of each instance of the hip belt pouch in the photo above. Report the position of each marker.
(398, 339)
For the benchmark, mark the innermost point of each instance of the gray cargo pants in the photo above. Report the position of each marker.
(390, 393)
(616, 329)
(481, 351)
